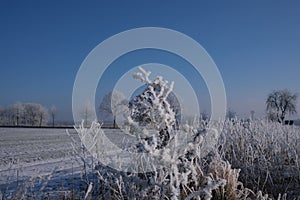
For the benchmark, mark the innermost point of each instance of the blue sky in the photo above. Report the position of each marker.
(255, 44)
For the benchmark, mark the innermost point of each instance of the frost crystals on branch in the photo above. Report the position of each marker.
(151, 108)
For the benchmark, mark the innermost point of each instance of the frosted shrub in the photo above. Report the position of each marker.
(151, 110)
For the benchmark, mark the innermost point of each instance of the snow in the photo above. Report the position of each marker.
(45, 154)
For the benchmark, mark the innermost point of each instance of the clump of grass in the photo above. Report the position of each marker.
(267, 154)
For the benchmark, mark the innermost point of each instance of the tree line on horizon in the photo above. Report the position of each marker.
(279, 104)
(26, 114)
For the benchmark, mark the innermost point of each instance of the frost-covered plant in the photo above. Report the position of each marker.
(267, 154)
(233, 189)
(178, 167)
(152, 110)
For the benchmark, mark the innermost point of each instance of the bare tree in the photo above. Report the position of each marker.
(113, 104)
(18, 113)
(252, 112)
(43, 115)
(5, 116)
(87, 113)
(10, 115)
(2, 117)
(231, 114)
(204, 116)
(53, 113)
(36, 114)
(280, 103)
(31, 111)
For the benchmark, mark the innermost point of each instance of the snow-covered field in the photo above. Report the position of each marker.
(50, 163)
(27, 153)
(41, 159)
(37, 161)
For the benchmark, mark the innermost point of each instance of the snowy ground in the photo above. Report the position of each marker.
(43, 157)
(40, 153)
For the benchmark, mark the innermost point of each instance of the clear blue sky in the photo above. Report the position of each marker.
(255, 44)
